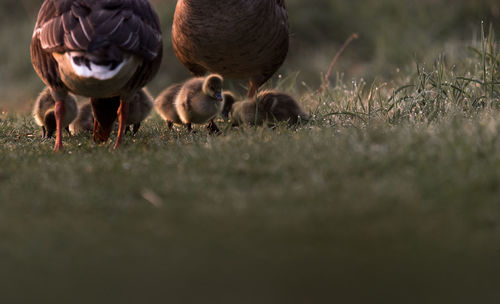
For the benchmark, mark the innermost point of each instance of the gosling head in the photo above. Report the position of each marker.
(212, 87)
(229, 100)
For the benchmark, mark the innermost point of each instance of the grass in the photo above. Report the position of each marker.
(254, 216)
(390, 194)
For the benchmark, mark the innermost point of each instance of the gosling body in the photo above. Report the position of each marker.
(44, 112)
(84, 121)
(139, 109)
(196, 101)
(268, 108)
(165, 105)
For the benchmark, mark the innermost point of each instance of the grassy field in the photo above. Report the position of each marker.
(390, 194)
(403, 214)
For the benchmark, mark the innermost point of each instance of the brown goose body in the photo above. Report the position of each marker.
(103, 49)
(238, 39)
(269, 107)
(44, 108)
(196, 101)
(84, 121)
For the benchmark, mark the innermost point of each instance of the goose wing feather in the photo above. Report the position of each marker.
(84, 25)
(281, 3)
(131, 25)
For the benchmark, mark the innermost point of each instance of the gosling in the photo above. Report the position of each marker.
(269, 107)
(44, 112)
(139, 109)
(84, 121)
(164, 105)
(229, 100)
(196, 101)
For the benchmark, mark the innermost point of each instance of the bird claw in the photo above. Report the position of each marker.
(58, 147)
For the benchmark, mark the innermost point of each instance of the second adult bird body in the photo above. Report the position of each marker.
(238, 39)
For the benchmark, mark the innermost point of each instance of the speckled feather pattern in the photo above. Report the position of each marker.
(235, 38)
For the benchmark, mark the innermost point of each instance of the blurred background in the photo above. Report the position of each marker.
(393, 34)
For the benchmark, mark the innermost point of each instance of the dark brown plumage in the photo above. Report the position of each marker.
(268, 107)
(103, 49)
(238, 39)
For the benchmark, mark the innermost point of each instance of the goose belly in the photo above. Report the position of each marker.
(247, 49)
(95, 80)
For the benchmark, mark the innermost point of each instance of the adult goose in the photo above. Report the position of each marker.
(103, 49)
(237, 39)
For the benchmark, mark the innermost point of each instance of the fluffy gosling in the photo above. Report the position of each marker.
(268, 107)
(139, 109)
(43, 112)
(196, 101)
(164, 105)
(229, 100)
(84, 121)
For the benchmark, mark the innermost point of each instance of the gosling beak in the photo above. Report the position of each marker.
(218, 96)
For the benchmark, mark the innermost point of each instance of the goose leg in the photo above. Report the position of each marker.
(105, 111)
(44, 132)
(256, 82)
(96, 127)
(253, 89)
(59, 113)
(170, 125)
(122, 118)
(189, 127)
